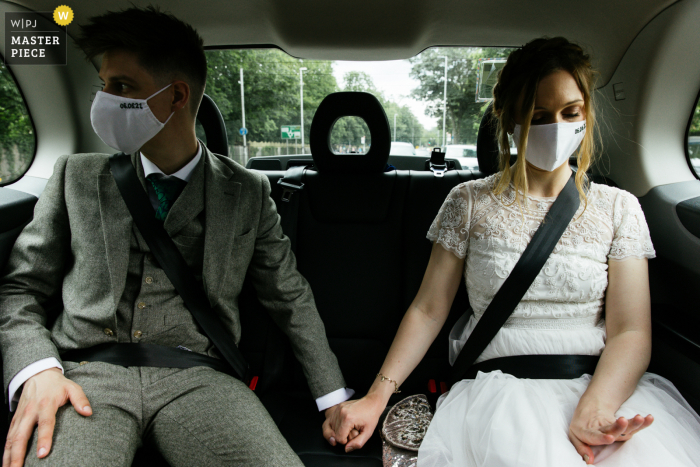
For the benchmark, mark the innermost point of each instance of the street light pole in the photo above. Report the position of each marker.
(444, 110)
(301, 92)
(245, 147)
(394, 127)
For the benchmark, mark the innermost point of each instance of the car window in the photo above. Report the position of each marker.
(694, 140)
(272, 86)
(17, 141)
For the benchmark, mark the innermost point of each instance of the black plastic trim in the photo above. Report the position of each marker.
(688, 212)
(16, 208)
(677, 340)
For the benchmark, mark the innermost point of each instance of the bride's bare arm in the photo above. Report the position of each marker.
(419, 327)
(622, 363)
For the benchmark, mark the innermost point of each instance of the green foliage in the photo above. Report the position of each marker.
(271, 83)
(16, 132)
(695, 123)
(408, 129)
(463, 112)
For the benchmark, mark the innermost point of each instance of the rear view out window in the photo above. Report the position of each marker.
(268, 99)
(694, 140)
(17, 142)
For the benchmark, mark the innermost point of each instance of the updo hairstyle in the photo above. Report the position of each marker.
(517, 84)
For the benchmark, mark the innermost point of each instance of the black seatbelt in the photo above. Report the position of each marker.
(174, 265)
(291, 184)
(520, 278)
(128, 354)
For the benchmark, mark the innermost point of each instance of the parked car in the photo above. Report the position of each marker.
(402, 149)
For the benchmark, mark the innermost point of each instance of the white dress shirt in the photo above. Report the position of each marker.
(185, 174)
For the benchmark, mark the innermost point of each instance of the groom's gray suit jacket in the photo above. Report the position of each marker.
(78, 246)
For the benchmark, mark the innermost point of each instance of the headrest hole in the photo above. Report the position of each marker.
(350, 135)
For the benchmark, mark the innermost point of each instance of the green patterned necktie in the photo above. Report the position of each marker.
(167, 189)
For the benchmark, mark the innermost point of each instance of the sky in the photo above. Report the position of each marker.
(392, 79)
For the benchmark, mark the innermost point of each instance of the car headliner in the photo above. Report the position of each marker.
(390, 30)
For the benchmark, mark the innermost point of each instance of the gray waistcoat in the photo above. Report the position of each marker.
(150, 310)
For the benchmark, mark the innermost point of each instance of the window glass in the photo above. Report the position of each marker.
(694, 140)
(17, 142)
(276, 87)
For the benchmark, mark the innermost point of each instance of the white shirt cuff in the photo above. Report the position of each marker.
(334, 398)
(26, 373)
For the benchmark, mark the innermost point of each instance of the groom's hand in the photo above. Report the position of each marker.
(352, 423)
(41, 397)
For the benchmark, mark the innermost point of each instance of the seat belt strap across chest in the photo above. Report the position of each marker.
(173, 263)
(521, 277)
(291, 185)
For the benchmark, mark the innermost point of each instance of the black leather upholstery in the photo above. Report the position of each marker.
(487, 143)
(345, 104)
(214, 127)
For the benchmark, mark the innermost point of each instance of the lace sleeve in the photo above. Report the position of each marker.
(631, 238)
(451, 226)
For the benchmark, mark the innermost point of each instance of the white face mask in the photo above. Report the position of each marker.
(122, 123)
(549, 146)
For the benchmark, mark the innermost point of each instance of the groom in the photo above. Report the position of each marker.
(82, 246)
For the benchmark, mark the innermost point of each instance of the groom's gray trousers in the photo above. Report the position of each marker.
(195, 417)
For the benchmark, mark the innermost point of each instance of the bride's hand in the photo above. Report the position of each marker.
(352, 422)
(593, 428)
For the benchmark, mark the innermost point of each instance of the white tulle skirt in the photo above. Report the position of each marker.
(497, 420)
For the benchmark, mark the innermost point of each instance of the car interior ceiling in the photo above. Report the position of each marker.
(363, 287)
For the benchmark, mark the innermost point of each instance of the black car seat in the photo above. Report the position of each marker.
(214, 126)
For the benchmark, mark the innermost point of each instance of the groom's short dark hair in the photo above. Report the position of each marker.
(165, 46)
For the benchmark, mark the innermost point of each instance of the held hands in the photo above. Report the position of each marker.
(592, 427)
(41, 397)
(353, 422)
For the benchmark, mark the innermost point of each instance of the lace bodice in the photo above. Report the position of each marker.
(492, 233)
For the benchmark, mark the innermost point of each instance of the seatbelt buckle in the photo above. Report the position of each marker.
(288, 189)
(253, 383)
(438, 166)
(432, 386)
(438, 170)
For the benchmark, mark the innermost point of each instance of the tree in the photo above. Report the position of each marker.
(463, 112)
(271, 86)
(16, 132)
(408, 128)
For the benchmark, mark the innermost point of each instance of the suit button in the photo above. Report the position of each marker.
(141, 305)
(137, 334)
(109, 332)
(149, 280)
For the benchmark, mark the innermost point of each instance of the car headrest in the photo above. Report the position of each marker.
(487, 143)
(214, 128)
(350, 104)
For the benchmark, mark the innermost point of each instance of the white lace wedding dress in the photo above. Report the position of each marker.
(497, 420)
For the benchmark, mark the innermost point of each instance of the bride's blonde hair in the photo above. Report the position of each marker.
(517, 84)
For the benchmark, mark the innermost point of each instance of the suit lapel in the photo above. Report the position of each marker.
(189, 204)
(116, 228)
(221, 197)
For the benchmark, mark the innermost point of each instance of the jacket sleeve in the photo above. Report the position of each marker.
(32, 280)
(284, 292)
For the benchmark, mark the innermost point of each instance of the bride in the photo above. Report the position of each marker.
(590, 298)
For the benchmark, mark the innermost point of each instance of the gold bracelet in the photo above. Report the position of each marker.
(385, 378)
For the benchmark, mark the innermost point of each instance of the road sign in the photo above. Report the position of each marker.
(362, 140)
(291, 132)
(243, 131)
